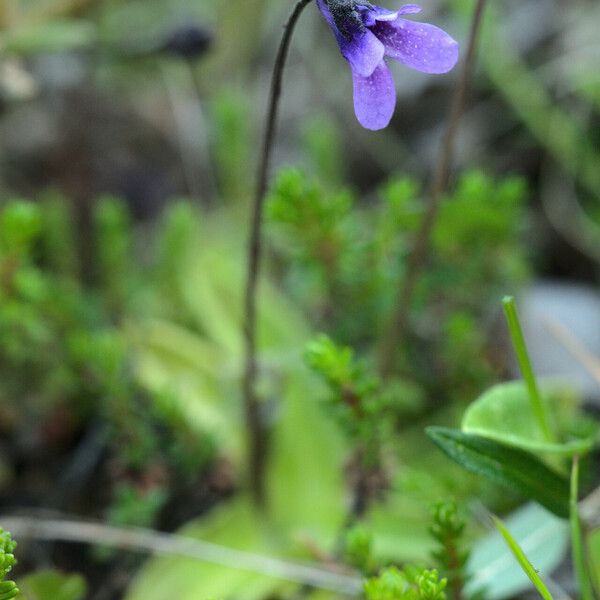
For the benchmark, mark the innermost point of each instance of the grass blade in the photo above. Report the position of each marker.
(527, 567)
(516, 334)
(579, 565)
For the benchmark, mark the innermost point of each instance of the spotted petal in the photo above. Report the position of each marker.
(374, 97)
(419, 46)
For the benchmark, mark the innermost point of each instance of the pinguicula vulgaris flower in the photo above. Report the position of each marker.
(367, 34)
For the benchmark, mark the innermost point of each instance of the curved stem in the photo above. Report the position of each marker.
(257, 450)
(394, 330)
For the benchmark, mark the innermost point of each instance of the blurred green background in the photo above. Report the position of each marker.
(128, 143)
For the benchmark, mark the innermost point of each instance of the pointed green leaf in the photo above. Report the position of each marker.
(505, 465)
(234, 525)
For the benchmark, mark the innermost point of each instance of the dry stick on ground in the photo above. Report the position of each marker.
(148, 540)
(252, 405)
(394, 331)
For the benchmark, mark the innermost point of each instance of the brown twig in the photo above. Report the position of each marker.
(396, 325)
(455, 575)
(257, 449)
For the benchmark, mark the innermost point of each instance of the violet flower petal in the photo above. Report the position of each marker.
(420, 46)
(374, 97)
(363, 51)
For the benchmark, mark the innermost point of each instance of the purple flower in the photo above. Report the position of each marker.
(367, 34)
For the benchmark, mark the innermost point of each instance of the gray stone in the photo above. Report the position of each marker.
(576, 308)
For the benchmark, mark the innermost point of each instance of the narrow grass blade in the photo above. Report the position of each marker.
(516, 334)
(527, 567)
(579, 565)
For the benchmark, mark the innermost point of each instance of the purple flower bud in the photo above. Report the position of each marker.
(366, 34)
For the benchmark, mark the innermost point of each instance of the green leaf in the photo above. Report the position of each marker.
(305, 480)
(305, 477)
(504, 414)
(518, 553)
(51, 585)
(235, 525)
(505, 465)
(493, 570)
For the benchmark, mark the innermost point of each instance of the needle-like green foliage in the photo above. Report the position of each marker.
(411, 583)
(366, 408)
(447, 529)
(8, 589)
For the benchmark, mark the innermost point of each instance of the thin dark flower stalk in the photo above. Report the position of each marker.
(396, 326)
(257, 449)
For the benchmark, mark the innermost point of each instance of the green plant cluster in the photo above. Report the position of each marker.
(8, 589)
(447, 529)
(346, 262)
(410, 583)
(66, 359)
(368, 409)
(521, 435)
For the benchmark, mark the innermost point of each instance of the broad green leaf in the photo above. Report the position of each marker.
(307, 494)
(305, 476)
(212, 281)
(240, 556)
(505, 465)
(51, 585)
(504, 414)
(192, 373)
(200, 365)
(235, 525)
(305, 472)
(522, 559)
(492, 569)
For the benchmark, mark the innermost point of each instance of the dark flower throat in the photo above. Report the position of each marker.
(347, 17)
